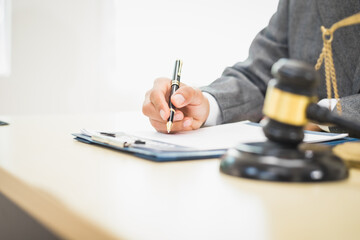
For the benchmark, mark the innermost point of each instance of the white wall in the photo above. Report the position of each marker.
(102, 55)
(5, 44)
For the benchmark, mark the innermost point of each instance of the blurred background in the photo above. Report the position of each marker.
(97, 56)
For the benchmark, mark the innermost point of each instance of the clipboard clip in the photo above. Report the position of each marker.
(137, 141)
(113, 139)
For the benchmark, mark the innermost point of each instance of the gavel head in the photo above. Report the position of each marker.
(287, 97)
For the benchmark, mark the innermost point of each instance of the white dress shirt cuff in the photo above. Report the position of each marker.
(214, 117)
(326, 103)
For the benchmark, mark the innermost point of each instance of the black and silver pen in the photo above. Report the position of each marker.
(175, 84)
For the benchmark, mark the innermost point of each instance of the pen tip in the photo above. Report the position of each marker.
(168, 126)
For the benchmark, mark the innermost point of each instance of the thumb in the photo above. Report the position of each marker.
(186, 95)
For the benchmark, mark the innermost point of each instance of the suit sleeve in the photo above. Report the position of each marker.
(240, 91)
(350, 110)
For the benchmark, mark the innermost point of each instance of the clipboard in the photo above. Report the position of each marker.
(151, 148)
(145, 148)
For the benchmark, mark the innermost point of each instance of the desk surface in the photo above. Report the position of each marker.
(81, 191)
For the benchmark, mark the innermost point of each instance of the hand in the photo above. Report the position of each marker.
(312, 127)
(192, 107)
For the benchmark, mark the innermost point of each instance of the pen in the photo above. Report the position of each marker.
(175, 84)
(3, 123)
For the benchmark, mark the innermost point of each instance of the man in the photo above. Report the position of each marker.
(293, 32)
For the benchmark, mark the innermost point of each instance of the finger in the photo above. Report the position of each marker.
(186, 124)
(147, 105)
(162, 84)
(160, 106)
(179, 115)
(157, 97)
(151, 113)
(159, 126)
(177, 126)
(190, 123)
(149, 110)
(186, 95)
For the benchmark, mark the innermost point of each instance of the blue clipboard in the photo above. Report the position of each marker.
(154, 150)
(164, 152)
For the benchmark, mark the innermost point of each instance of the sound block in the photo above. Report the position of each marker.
(272, 161)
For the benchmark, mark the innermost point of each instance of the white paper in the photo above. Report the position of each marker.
(225, 136)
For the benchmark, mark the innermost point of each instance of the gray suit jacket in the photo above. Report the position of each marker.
(293, 32)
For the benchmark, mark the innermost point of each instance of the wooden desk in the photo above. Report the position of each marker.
(80, 191)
